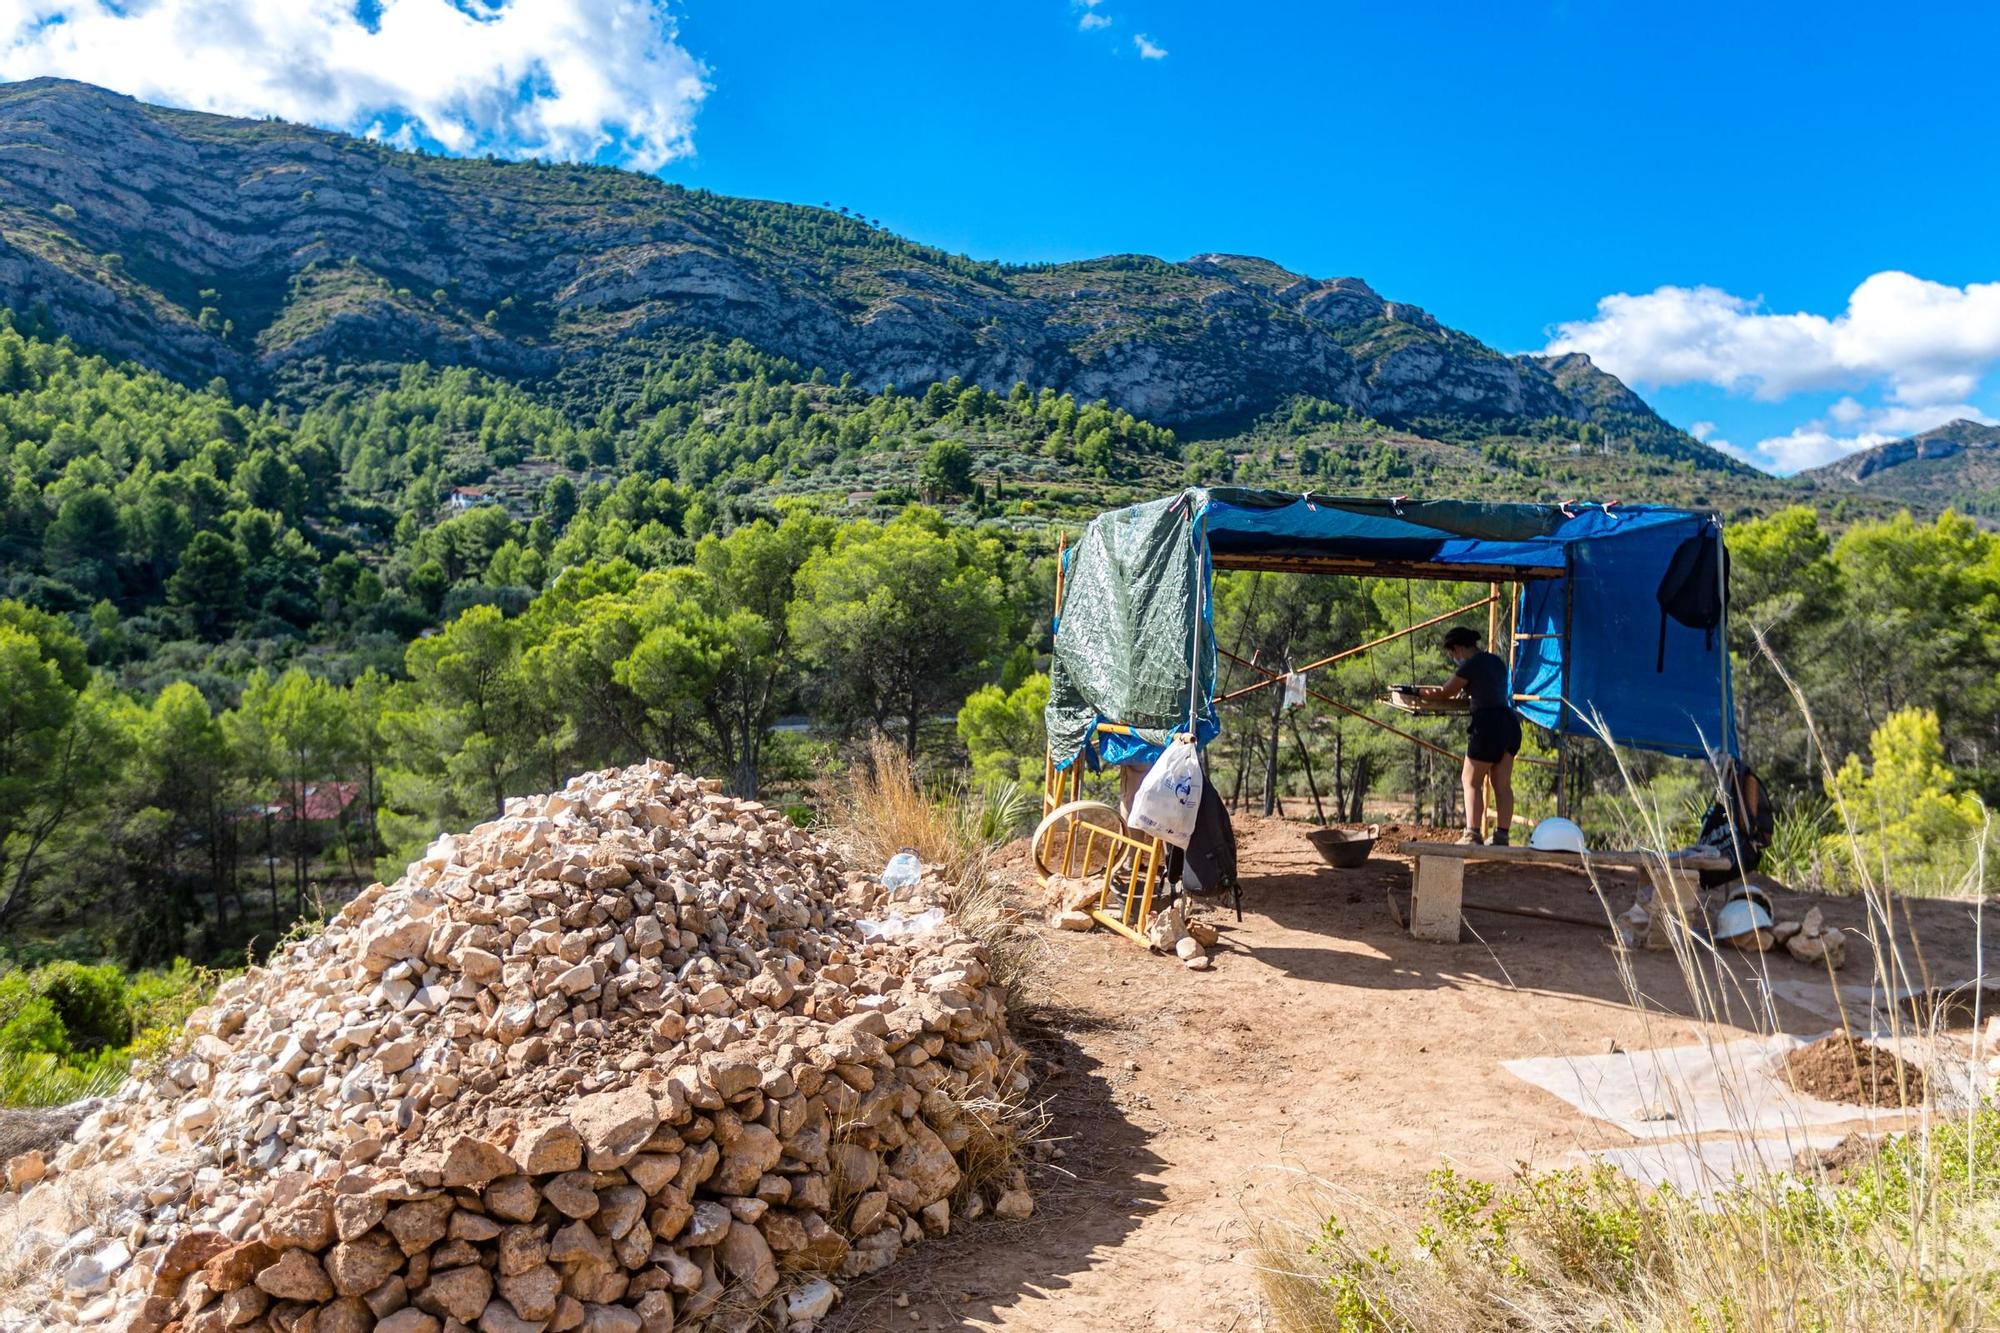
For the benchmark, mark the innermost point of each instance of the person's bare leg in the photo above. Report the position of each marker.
(1472, 778)
(1503, 792)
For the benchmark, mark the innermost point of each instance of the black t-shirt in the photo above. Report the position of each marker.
(1485, 680)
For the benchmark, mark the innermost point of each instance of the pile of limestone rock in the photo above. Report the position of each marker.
(621, 1059)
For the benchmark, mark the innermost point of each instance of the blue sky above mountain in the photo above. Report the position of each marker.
(1747, 215)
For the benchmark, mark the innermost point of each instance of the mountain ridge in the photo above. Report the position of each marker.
(1940, 442)
(281, 258)
(1955, 465)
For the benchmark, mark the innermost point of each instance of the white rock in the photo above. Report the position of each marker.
(92, 1272)
(196, 1116)
(812, 1301)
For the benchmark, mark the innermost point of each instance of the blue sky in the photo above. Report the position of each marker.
(1795, 203)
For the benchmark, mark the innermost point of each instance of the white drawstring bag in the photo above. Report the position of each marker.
(1169, 798)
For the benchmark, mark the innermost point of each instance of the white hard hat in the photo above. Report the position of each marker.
(1742, 915)
(1556, 834)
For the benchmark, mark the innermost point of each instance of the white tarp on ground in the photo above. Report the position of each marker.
(1731, 1092)
(1729, 1087)
(1699, 1167)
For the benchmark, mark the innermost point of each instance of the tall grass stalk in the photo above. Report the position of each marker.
(1910, 1241)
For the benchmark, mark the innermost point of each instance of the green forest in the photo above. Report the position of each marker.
(252, 656)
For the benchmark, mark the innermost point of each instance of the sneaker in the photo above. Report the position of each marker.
(1499, 837)
(1471, 838)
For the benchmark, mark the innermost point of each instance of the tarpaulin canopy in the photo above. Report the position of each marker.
(1593, 649)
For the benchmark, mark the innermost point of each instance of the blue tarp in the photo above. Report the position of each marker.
(1589, 578)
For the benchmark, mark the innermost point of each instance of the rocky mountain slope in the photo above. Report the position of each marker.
(280, 258)
(1957, 464)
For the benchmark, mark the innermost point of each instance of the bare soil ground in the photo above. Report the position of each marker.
(1325, 1040)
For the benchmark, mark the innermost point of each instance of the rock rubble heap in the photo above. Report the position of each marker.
(620, 1060)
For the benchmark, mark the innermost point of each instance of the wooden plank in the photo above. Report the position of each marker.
(1676, 895)
(1639, 860)
(1435, 899)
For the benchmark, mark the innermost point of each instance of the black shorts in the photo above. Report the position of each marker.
(1495, 732)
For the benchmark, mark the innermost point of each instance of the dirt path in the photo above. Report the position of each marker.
(1325, 1040)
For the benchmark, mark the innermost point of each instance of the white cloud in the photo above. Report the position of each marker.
(1811, 446)
(1737, 452)
(1701, 430)
(551, 78)
(1148, 49)
(1092, 19)
(1925, 343)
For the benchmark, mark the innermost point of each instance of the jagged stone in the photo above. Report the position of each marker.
(577, 1243)
(747, 1256)
(358, 1267)
(614, 1125)
(523, 1247)
(420, 1225)
(708, 1226)
(188, 1252)
(457, 1293)
(408, 1320)
(573, 1194)
(356, 1214)
(532, 1294)
(296, 1276)
(475, 1162)
(237, 1265)
(549, 1147)
(305, 1224)
(513, 1198)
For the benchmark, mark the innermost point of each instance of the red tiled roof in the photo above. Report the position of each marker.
(322, 800)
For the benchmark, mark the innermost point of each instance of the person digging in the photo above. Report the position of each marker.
(1495, 735)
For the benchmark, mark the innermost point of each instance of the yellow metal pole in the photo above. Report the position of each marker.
(1390, 638)
(1104, 918)
(1371, 721)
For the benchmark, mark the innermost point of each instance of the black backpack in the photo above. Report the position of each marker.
(1693, 591)
(1210, 865)
(1739, 826)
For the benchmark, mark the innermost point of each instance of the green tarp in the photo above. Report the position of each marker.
(1128, 615)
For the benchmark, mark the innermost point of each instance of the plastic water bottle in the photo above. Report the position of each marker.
(903, 868)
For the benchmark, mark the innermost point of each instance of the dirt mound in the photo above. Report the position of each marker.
(1843, 1161)
(1394, 837)
(621, 1059)
(1841, 1068)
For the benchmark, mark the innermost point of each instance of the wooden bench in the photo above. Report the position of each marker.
(1439, 881)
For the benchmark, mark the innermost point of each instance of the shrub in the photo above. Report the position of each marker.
(1909, 819)
(35, 1027)
(68, 1030)
(39, 1079)
(91, 1001)
(1002, 732)
(1795, 857)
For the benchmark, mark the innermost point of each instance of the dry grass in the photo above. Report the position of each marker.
(1910, 1241)
(1001, 1128)
(33, 1227)
(881, 809)
(44, 1127)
